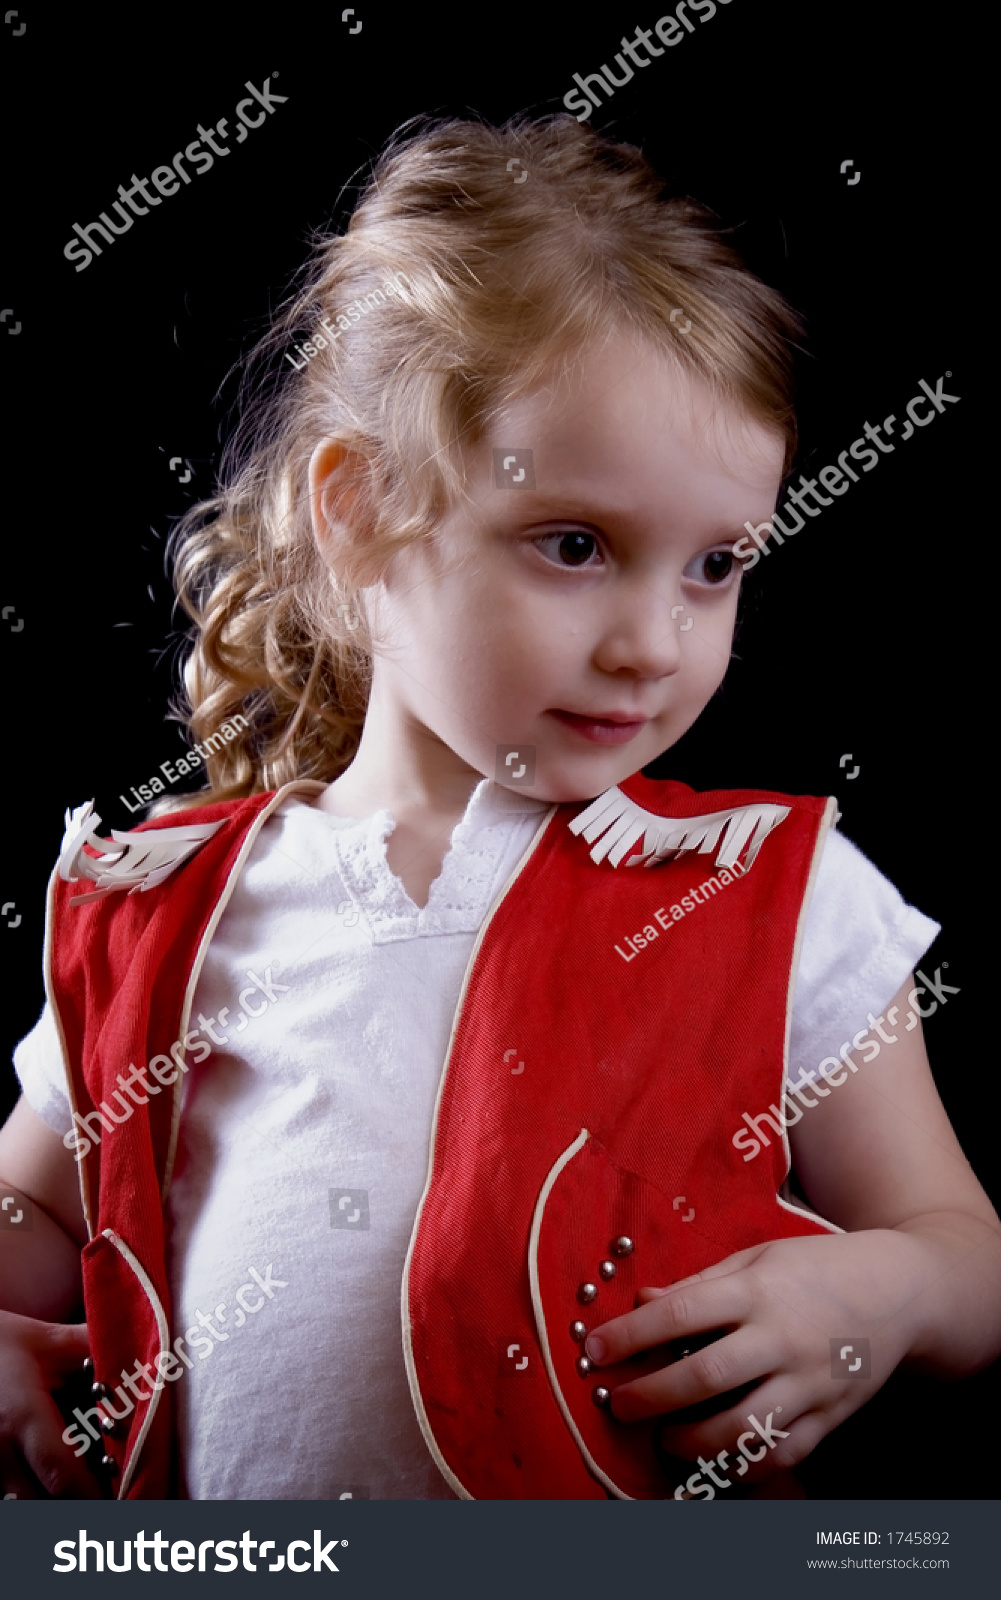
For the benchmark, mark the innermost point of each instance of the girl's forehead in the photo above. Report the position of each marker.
(623, 407)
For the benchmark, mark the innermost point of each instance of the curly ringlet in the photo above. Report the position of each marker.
(499, 283)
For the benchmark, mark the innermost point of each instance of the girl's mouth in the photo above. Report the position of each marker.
(601, 730)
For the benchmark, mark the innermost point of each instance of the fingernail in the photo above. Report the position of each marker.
(595, 1347)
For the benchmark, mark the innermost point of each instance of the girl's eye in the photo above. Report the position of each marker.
(568, 549)
(713, 569)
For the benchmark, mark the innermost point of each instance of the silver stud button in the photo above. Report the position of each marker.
(623, 1245)
(586, 1292)
(578, 1331)
(583, 1366)
(107, 1424)
(601, 1395)
(109, 1463)
(98, 1391)
(607, 1270)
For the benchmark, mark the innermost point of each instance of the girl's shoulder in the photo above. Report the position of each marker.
(143, 857)
(668, 796)
(655, 818)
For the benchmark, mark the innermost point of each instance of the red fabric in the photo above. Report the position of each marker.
(118, 969)
(657, 1058)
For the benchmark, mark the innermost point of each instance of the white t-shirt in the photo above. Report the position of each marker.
(313, 1118)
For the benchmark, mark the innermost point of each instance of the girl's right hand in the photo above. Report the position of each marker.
(36, 1360)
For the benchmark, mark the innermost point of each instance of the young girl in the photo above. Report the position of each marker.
(411, 1118)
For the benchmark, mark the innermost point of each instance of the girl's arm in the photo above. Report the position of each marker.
(40, 1268)
(879, 1152)
(39, 1286)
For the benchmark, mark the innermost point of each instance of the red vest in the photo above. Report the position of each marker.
(614, 1024)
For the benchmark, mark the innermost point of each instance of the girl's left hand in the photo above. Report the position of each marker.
(790, 1306)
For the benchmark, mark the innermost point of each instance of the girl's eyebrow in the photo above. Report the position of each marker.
(547, 507)
(567, 505)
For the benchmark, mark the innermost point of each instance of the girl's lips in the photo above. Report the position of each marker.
(600, 730)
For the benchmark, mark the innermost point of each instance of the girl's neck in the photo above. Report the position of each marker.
(401, 767)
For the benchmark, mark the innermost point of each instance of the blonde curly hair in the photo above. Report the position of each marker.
(494, 280)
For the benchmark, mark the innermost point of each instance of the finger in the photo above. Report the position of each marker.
(747, 1356)
(760, 1415)
(63, 1346)
(735, 1263)
(16, 1482)
(757, 1427)
(61, 1473)
(694, 1308)
(750, 1458)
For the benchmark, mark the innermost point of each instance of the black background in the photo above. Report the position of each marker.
(859, 636)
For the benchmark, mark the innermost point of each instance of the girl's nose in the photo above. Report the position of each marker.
(644, 637)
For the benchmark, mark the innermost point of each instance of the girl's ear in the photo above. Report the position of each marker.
(336, 490)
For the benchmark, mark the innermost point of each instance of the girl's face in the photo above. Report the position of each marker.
(583, 618)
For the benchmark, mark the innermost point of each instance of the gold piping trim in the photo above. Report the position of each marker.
(164, 1337)
(82, 1176)
(799, 1211)
(540, 1318)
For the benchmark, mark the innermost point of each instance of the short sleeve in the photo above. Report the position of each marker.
(38, 1062)
(860, 942)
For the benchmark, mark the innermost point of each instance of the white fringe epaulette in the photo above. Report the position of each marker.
(623, 823)
(132, 861)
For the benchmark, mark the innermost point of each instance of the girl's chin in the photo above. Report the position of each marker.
(558, 782)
